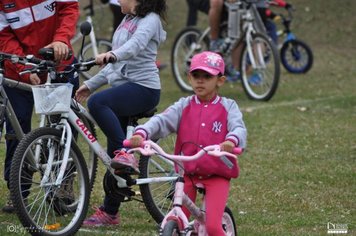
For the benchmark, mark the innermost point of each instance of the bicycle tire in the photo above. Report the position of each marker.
(157, 196)
(47, 214)
(170, 228)
(103, 45)
(90, 156)
(296, 56)
(260, 83)
(228, 223)
(186, 44)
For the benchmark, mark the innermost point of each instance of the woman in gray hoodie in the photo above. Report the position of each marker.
(134, 80)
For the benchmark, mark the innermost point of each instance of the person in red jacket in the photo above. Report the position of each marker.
(25, 27)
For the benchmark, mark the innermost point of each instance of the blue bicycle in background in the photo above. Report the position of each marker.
(295, 55)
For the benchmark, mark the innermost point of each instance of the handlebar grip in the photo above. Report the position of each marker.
(111, 60)
(126, 143)
(237, 150)
(48, 53)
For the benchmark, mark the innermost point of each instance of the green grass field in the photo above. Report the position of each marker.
(298, 172)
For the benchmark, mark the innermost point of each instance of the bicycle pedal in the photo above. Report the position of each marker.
(125, 170)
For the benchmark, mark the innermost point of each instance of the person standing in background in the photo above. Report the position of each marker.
(193, 7)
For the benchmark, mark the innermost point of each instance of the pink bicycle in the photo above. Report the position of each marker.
(175, 221)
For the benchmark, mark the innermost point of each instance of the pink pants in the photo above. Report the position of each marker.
(216, 195)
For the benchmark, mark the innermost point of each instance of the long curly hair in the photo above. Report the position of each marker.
(144, 7)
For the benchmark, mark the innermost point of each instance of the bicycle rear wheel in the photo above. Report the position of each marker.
(103, 46)
(296, 56)
(157, 196)
(43, 207)
(260, 68)
(187, 43)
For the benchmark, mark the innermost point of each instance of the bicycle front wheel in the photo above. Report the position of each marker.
(103, 45)
(260, 68)
(187, 43)
(170, 229)
(228, 223)
(296, 56)
(158, 195)
(44, 207)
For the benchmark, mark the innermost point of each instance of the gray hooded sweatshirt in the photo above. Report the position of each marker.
(135, 45)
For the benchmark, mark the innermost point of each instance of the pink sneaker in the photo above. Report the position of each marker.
(124, 163)
(101, 218)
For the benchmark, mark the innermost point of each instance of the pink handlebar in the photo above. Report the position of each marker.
(236, 150)
(126, 143)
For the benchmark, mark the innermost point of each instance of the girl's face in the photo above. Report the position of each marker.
(128, 6)
(205, 85)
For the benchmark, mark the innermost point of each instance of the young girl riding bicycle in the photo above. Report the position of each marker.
(199, 120)
(135, 85)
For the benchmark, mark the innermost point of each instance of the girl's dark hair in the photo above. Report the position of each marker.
(146, 6)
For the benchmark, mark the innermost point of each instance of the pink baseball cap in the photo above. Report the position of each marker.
(210, 62)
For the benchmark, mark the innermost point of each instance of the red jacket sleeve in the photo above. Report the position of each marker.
(10, 44)
(68, 14)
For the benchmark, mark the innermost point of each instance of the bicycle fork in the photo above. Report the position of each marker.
(255, 51)
(66, 139)
(181, 199)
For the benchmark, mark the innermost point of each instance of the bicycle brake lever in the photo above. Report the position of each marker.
(29, 71)
(218, 153)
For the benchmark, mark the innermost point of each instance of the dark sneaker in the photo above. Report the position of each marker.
(9, 207)
(125, 163)
(101, 218)
(232, 75)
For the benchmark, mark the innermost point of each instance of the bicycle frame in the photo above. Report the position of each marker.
(10, 113)
(286, 33)
(73, 119)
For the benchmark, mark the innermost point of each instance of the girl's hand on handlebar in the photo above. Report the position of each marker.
(82, 93)
(61, 50)
(105, 58)
(136, 141)
(34, 79)
(227, 146)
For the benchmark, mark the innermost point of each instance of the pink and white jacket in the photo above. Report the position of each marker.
(199, 124)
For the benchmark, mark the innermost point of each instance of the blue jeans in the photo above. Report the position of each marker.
(111, 108)
(271, 30)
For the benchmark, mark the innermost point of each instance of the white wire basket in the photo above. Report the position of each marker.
(52, 98)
